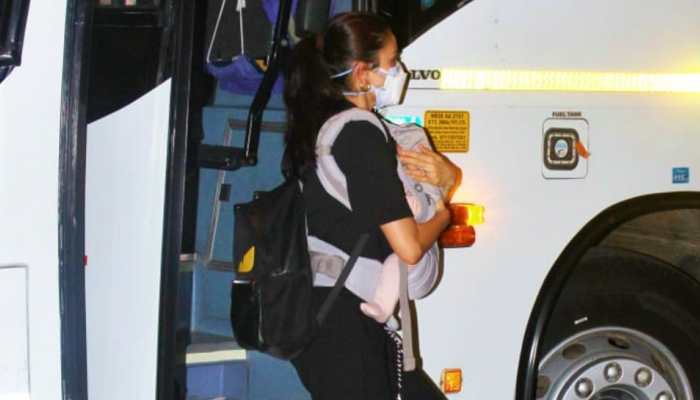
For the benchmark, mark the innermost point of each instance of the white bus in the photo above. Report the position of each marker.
(129, 128)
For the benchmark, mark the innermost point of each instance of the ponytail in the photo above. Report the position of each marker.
(310, 94)
(311, 97)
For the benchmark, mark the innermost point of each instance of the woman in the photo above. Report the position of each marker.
(351, 65)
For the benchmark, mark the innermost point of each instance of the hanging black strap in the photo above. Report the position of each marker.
(335, 292)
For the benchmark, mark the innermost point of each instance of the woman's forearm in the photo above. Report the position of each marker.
(429, 232)
(410, 240)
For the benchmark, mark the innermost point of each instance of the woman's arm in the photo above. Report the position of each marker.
(376, 192)
(410, 240)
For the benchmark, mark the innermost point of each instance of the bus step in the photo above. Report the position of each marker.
(217, 368)
(225, 98)
(227, 380)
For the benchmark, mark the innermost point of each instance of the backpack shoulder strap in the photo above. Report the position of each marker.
(328, 171)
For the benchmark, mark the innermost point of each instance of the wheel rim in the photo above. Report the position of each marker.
(612, 363)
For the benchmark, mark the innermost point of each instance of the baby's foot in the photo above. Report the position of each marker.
(373, 310)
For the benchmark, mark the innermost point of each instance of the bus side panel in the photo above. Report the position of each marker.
(125, 186)
(477, 316)
(490, 288)
(30, 105)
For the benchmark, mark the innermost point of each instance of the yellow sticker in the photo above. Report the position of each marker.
(449, 130)
(246, 264)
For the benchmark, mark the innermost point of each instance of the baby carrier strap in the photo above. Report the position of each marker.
(329, 173)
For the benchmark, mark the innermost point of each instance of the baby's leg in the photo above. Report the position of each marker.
(387, 293)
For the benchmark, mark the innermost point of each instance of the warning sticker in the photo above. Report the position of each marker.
(449, 130)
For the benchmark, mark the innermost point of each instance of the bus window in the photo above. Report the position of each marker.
(129, 53)
(409, 19)
(13, 18)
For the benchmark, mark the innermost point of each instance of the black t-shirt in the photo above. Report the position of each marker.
(368, 160)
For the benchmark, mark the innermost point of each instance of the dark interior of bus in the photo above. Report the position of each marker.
(234, 148)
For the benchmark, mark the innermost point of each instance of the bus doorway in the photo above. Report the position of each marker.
(134, 143)
(172, 92)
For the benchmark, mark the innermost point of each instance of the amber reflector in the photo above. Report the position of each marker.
(459, 213)
(458, 236)
(451, 380)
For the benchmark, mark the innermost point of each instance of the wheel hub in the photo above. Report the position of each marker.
(615, 394)
(612, 364)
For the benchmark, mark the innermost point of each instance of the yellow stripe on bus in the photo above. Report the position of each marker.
(568, 81)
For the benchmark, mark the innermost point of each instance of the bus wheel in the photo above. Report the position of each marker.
(626, 327)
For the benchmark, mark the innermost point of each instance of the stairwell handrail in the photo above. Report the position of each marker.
(262, 96)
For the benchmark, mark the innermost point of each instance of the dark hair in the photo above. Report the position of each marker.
(310, 94)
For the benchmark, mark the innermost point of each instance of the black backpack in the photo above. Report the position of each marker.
(271, 304)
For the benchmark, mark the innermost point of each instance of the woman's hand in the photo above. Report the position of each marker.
(428, 166)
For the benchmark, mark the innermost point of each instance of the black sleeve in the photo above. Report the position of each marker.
(368, 161)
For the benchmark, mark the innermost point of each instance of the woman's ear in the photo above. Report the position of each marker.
(360, 76)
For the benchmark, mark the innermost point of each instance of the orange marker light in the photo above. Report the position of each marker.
(458, 236)
(459, 213)
(461, 232)
(451, 380)
(476, 214)
(467, 214)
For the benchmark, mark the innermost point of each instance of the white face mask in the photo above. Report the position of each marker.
(390, 93)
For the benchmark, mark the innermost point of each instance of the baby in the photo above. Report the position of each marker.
(421, 199)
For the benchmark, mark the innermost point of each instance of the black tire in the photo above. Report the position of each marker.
(619, 288)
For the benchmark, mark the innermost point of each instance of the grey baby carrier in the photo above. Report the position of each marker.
(327, 260)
